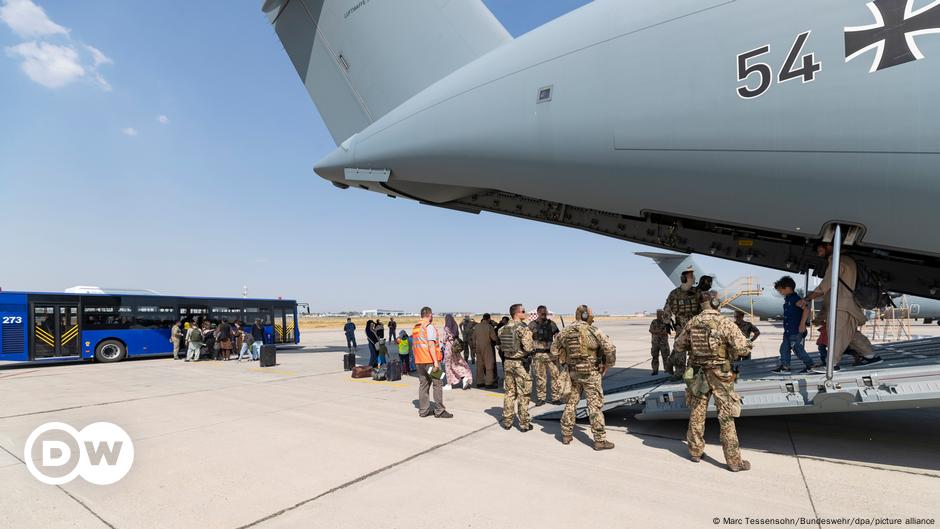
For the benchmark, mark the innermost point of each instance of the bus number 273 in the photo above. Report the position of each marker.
(9, 320)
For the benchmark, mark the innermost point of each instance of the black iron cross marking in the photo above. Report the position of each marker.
(893, 33)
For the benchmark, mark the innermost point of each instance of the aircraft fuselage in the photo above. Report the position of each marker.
(737, 129)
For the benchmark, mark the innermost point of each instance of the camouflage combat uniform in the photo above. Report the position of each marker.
(659, 331)
(681, 306)
(584, 350)
(515, 342)
(543, 335)
(713, 342)
(466, 329)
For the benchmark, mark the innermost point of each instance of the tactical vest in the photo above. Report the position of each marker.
(686, 304)
(510, 344)
(543, 331)
(581, 358)
(707, 346)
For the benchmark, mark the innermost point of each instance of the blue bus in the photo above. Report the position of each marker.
(37, 327)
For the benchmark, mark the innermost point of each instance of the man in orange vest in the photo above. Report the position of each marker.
(427, 350)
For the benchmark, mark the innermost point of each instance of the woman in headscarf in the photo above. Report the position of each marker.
(372, 339)
(457, 369)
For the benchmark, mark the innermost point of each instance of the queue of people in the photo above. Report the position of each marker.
(201, 339)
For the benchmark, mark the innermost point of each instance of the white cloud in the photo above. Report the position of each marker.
(51, 65)
(163, 119)
(48, 64)
(129, 131)
(104, 84)
(28, 20)
(97, 56)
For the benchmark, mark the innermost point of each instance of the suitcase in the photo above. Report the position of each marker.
(349, 361)
(361, 372)
(393, 372)
(379, 374)
(268, 355)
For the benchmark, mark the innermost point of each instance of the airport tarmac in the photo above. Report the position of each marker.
(228, 444)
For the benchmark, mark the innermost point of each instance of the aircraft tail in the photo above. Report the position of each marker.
(359, 59)
(673, 264)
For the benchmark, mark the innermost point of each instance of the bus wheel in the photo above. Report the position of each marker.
(110, 351)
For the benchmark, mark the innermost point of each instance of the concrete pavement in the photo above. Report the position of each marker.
(223, 444)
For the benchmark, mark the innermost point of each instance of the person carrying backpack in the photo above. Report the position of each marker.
(849, 315)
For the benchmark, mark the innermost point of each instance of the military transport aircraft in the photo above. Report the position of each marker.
(663, 123)
(761, 298)
(742, 129)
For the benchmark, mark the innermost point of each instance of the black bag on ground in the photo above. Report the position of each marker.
(349, 361)
(393, 372)
(268, 355)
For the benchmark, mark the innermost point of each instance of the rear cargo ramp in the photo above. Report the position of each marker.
(908, 378)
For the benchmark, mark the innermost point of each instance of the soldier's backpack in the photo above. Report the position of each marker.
(706, 345)
(509, 342)
(580, 358)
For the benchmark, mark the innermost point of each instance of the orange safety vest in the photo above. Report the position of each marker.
(424, 348)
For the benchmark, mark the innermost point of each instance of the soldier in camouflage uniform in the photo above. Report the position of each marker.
(683, 303)
(466, 329)
(587, 353)
(713, 343)
(659, 331)
(543, 334)
(515, 343)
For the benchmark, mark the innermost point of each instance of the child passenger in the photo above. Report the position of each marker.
(794, 327)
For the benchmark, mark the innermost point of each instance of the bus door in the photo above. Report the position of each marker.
(55, 330)
(283, 325)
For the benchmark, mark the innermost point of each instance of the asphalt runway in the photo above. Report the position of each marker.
(227, 444)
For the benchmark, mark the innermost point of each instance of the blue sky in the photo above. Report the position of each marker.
(169, 145)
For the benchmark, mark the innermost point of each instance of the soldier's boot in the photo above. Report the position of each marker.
(696, 459)
(505, 424)
(525, 427)
(539, 402)
(566, 439)
(603, 445)
(744, 466)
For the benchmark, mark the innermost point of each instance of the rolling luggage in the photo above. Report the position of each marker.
(393, 372)
(349, 361)
(361, 372)
(268, 355)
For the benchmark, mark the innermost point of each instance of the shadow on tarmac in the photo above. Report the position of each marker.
(904, 438)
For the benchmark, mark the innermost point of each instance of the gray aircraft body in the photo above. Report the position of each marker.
(763, 299)
(742, 129)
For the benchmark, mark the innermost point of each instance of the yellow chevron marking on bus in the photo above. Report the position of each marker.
(69, 335)
(42, 332)
(43, 339)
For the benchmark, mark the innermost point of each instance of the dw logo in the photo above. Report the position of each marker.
(101, 453)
